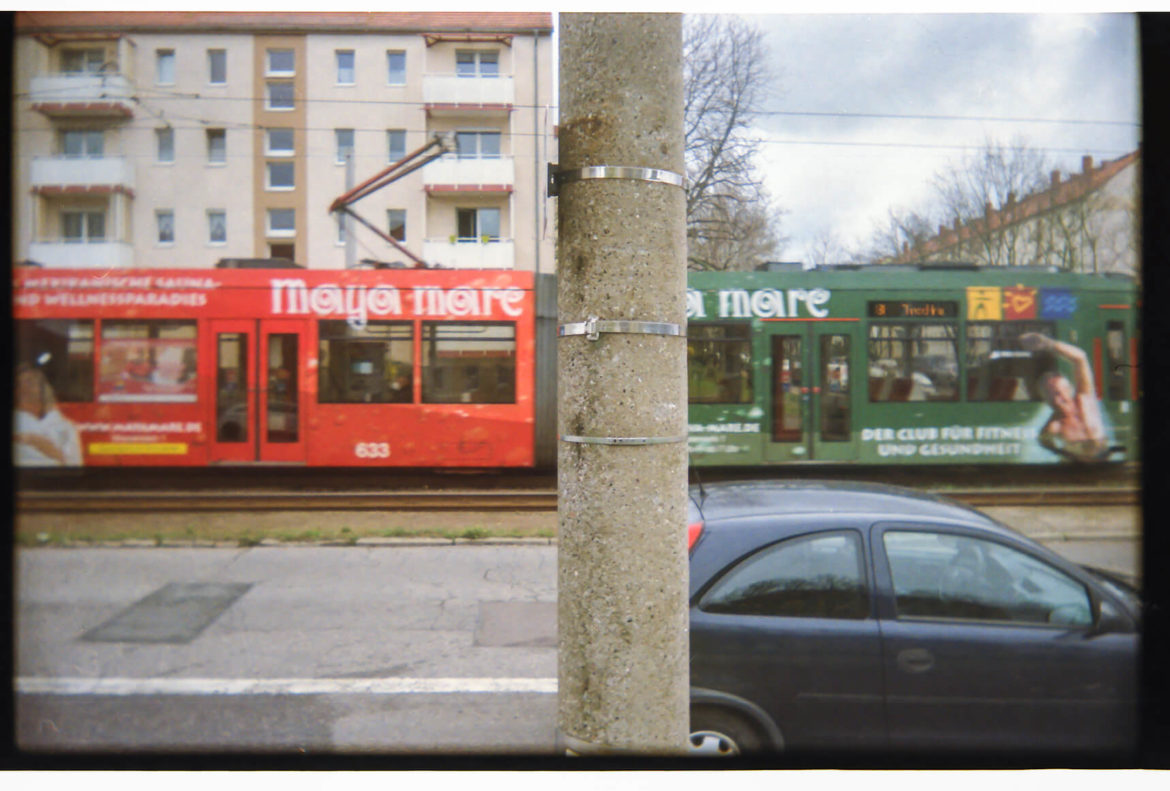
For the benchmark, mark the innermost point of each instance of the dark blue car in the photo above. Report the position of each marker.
(842, 617)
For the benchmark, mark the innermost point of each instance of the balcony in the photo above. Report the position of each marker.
(470, 254)
(454, 175)
(82, 255)
(83, 96)
(82, 174)
(446, 94)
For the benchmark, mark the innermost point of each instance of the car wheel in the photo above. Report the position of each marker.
(720, 733)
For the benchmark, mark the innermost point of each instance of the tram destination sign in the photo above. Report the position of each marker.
(912, 309)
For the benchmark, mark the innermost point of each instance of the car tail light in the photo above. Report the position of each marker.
(693, 532)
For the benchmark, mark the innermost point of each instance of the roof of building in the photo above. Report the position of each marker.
(33, 22)
(1060, 192)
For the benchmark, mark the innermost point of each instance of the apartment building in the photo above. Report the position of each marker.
(1080, 222)
(178, 139)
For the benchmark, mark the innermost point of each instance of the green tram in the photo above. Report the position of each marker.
(912, 365)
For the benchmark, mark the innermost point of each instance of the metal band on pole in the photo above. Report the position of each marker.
(622, 440)
(558, 177)
(592, 327)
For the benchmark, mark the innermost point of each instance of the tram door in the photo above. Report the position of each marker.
(256, 406)
(812, 395)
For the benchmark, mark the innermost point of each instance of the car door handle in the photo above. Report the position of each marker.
(915, 660)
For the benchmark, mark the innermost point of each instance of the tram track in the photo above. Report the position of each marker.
(455, 500)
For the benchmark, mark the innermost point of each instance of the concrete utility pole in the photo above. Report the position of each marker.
(623, 648)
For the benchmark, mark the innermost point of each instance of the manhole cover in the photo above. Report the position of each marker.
(175, 613)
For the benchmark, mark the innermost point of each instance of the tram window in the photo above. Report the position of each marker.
(719, 363)
(998, 366)
(63, 349)
(147, 361)
(373, 365)
(835, 388)
(1116, 363)
(913, 362)
(465, 363)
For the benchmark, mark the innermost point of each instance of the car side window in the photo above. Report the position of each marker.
(940, 575)
(813, 576)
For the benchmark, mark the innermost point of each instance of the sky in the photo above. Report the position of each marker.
(867, 108)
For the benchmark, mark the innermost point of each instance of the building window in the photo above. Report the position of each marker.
(476, 225)
(476, 63)
(216, 146)
(164, 66)
(217, 66)
(282, 222)
(344, 138)
(396, 221)
(281, 62)
(217, 227)
(281, 175)
(345, 67)
(397, 143)
(83, 61)
(164, 220)
(83, 226)
(165, 148)
(396, 67)
(477, 145)
(279, 143)
(280, 96)
(82, 143)
(341, 227)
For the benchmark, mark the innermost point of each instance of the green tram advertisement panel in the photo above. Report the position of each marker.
(911, 366)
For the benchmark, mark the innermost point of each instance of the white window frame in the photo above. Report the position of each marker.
(89, 64)
(86, 236)
(211, 215)
(339, 150)
(280, 233)
(87, 136)
(478, 223)
(212, 54)
(268, 185)
(269, 71)
(338, 55)
(478, 56)
(164, 62)
(389, 144)
(478, 134)
(390, 72)
(159, 214)
(164, 155)
(268, 105)
(269, 150)
(390, 224)
(216, 158)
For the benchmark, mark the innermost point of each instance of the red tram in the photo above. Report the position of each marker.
(413, 368)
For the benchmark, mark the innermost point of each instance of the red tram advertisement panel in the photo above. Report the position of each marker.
(413, 368)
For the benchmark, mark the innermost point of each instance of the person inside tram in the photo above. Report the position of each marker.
(41, 436)
(1076, 428)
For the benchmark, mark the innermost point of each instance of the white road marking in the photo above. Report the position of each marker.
(279, 686)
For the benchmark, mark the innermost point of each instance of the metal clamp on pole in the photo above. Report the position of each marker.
(592, 328)
(558, 177)
(622, 440)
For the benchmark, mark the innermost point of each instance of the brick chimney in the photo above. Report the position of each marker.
(1055, 177)
(1086, 164)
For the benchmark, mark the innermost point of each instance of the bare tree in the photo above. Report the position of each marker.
(994, 179)
(726, 73)
(903, 228)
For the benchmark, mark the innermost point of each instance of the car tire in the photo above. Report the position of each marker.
(720, 733)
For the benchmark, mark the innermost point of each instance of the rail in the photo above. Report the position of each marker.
(537, 500)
